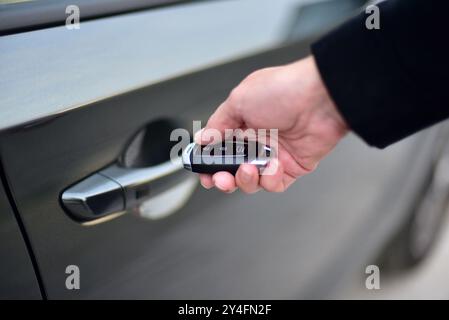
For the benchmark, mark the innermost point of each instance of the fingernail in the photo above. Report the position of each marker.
(219, 185)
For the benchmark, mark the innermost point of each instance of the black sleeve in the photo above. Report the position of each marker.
(391, 82)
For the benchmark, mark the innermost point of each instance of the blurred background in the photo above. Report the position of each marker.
(134, 63)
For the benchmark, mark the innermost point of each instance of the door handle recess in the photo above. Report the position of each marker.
(152, 192)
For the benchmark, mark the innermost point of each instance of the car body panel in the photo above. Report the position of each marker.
(71, 105)
(17, 275)
(269, 245)
(50, 71)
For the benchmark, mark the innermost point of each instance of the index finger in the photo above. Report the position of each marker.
(223, 118)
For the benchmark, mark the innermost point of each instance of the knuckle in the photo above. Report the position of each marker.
(253, 75)
(258, 73)
(235, 99)
(235, 96)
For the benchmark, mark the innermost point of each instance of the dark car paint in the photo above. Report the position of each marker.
(69, 147)
(17, 277)
(211, 248)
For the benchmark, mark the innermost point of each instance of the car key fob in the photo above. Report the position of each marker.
(225, 156)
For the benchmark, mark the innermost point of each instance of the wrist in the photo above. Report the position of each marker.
(322, 108)
(317, 116)
(323, 97)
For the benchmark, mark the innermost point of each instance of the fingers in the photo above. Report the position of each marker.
(224, 181)
(223, 118)
(206, 181)
(247, 178)
(273, 182)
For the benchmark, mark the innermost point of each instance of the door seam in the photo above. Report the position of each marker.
(22, 229)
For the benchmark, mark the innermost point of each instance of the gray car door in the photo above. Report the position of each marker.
(72, 102)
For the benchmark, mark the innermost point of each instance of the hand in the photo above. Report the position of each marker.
(292, 99)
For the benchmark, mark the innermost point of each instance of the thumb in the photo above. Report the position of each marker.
(223, 118)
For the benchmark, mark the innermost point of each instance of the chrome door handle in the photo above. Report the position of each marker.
(152, 192)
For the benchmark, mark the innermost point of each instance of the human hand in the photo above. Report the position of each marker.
(292, 99)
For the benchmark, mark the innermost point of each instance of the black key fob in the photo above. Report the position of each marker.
(225, 156)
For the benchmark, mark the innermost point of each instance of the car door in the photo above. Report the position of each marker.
(81, 103)
(17, 277)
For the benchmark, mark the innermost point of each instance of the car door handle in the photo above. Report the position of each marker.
(153, 192)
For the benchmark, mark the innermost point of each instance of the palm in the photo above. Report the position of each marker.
(293, 100)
